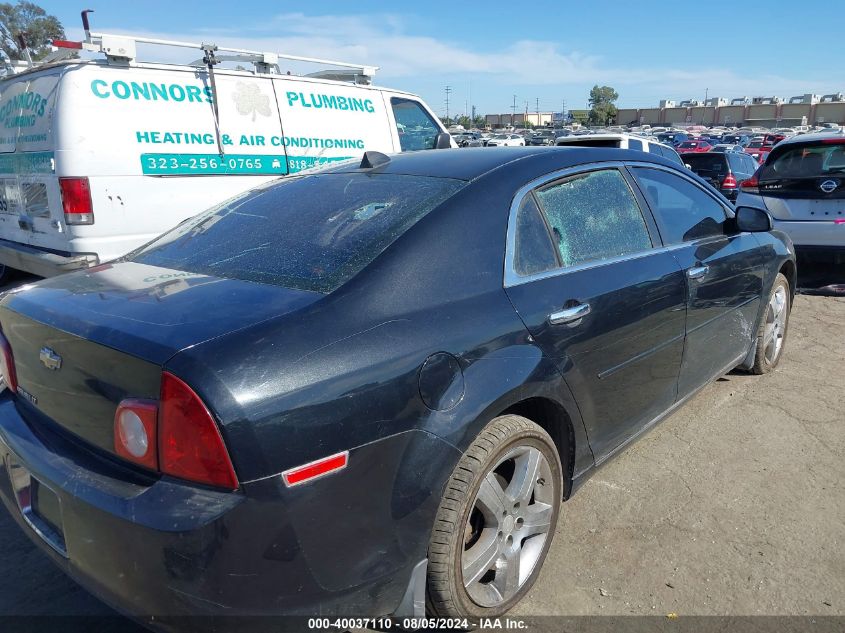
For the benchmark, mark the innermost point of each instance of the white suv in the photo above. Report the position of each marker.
(802, 185)
(622, 141)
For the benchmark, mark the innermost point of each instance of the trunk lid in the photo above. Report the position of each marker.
(113, 327)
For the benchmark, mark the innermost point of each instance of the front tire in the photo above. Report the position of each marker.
(495, 522)
(771, 334)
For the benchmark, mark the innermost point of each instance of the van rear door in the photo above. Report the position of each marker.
(30, 201)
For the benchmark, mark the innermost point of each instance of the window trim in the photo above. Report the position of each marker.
(512, 278)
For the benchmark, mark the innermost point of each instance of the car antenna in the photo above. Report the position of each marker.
(374, 159)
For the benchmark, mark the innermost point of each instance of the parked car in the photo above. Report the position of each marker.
(725, 171)
(738, 139)
(802, 184)
(725, 147)
(327, 396)
(694, 147)
(673, 138)
(758, 150)
(621, 141)
(506, 140)
(468, 139)
(543, 137)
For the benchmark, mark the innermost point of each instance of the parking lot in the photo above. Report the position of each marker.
(732, 506)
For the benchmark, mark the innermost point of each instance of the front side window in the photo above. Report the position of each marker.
(593, 216)
(684, 211)
(417, 130)
(309, 233)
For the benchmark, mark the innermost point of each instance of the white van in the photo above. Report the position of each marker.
(99, 156)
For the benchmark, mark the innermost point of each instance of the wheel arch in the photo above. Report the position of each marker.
(789, 270)
(553, 418)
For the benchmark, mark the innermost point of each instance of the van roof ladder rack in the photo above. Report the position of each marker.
(122, 49)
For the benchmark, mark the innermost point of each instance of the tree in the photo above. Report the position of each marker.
(30, 20)
(602, 109)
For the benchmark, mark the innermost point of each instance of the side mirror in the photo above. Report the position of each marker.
(443, 141)
(753, 220)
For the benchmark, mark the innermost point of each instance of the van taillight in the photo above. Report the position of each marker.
(10, 377)
(729, 182)
(76, 200)
(189, 443)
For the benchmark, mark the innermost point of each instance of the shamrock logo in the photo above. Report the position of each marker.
(249, 100)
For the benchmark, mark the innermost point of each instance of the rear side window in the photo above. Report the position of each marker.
(417, 130)
(534, 251)
(815, 160)
(684, 211)
(310, 233)
(635, 144)
(593, 216)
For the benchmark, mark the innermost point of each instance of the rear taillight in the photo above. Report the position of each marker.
(752, 185)
(189, 443)
(175, 435)
(729, 182)
(76, 200)
(135, 436)
(10, 377)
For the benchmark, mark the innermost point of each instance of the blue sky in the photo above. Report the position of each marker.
(552, 52)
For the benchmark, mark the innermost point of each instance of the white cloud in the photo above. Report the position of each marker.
(407, 60)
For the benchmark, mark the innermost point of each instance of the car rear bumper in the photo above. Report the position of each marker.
(817, 233)
(346, 544)
(40, 262)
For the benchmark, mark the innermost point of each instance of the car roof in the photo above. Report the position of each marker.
(815, 136)
(474, 162)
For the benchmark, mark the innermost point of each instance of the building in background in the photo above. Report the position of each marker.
(762, 111)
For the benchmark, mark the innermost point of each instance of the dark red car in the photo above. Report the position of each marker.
(694, 147)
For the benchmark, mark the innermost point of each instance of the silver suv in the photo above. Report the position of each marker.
(802, 185)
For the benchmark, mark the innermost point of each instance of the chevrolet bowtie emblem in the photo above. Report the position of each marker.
(50, 359)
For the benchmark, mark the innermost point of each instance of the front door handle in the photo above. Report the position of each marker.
(697, 272)
(569, 315)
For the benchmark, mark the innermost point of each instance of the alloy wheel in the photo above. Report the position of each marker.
(508, 526)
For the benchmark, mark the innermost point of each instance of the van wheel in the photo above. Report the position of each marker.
(496, 520)
(771, 335)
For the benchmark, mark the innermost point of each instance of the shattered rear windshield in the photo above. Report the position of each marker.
(310, 232)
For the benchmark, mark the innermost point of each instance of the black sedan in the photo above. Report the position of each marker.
(369, 389)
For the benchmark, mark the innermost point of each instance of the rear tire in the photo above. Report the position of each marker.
(771, 334)
(496, 521)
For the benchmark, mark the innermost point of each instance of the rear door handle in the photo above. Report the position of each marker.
(569, 315)
(697, 272)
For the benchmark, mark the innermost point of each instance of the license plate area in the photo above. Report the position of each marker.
(39, 505)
